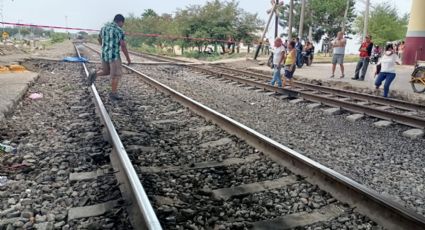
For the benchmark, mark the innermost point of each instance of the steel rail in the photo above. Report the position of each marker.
(405, 105)
(404, 119)
(382, 210)
(156, 57)
(338, 92)
(140, 209)
(412, 121)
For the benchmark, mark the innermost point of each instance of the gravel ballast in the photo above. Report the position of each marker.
(56, 135)
(381, 159)
(158, 132)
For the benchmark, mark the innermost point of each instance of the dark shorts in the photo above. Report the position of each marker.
(289, 72)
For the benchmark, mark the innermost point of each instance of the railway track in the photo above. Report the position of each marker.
(394, 110)
(221, 183)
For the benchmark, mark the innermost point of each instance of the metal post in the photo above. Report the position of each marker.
(366, 19)
(66, 23)
(290, 15)
(276, 26)
(2, 16)
(264, 32)
(310, 31)
(310, 34)
(344, 22)
(301, 27)
(19, 30)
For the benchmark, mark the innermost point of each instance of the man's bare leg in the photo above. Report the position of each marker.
(114, 85)
(114, 91)
(101, 72)
(342, 70)
(333, 70)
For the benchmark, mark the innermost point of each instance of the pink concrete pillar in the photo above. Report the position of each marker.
(415, 37)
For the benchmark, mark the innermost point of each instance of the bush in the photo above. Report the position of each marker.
(146, 49)
(58, 37)
(199, 55)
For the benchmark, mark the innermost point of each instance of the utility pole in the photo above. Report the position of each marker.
(310, 31)
(344, 22)
(272, 11)
(19, 30)
(2, 16)
(301, 27)
(66, 23)
(276, 29)
(290, 15)
(366, 19)
(310, 34)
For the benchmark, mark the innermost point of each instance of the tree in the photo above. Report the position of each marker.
(324, 16)
(245, 26)
(149, 13)
(215, 20)
(384, 24)
(150, 23)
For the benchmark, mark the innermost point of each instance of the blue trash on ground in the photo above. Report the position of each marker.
(75, 59)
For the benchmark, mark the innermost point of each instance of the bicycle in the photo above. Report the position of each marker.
(418, 78)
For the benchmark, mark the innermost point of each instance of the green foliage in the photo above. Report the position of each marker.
(328, 15)
(199, 55)
(384, 24)
(58, 37)
(148, 23)
(26, 31)
(214, 20)
(149, 13)
(148, 49)
(324, 16)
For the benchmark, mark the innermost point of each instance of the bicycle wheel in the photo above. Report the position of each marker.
(418, 80)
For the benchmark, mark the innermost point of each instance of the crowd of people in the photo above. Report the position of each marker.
(287, 55)
(385, 60)
(290, 55)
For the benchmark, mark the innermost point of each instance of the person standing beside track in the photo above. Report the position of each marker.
(111, 37)
(338, 55)
(365, 52)
(290, 63)
(278, 57)
(299, 49)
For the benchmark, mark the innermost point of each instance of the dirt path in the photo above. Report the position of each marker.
(56, 51)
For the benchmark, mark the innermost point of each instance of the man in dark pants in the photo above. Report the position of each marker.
(111, 38)
(365, 52)
(299, 49)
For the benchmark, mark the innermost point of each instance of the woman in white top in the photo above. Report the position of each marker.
(387, 66)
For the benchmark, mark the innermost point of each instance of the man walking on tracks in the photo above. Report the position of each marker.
(111, 38)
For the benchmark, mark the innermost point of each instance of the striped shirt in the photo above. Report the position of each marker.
(111, 35)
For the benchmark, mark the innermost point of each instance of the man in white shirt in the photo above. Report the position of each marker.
(278, 57)
(338, 44)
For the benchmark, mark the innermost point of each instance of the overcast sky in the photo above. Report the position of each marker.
(94, 13)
